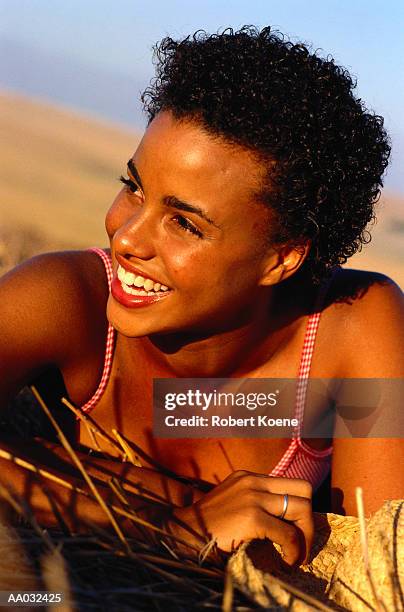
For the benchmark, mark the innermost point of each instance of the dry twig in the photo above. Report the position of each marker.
(364, 544)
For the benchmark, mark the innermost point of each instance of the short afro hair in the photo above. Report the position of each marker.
(291, 107)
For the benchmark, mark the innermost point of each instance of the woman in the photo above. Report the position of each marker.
(255, 179)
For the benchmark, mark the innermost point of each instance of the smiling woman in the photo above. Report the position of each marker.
(255, 179)
(186, 218)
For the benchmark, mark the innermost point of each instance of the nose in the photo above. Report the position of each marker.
(136, 236)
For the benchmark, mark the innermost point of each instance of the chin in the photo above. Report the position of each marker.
(133, 324)
(125, 324)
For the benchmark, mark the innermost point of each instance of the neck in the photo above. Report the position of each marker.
(227, 353)
(217, 355)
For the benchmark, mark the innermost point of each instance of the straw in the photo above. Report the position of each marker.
(228, 591)
(92, 427)
(364, 544)
(66, 444)
(128, 452)
(152, 572)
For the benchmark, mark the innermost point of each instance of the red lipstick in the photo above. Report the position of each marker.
(133, 301)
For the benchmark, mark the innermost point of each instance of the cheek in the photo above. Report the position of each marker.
(111, 219)
(109, 223)
(238, 275)
(212, 276)
(191, 267)
(116, 216)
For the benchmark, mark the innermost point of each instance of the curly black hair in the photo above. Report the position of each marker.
(288, 105)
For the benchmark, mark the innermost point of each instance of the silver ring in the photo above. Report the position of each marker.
(285, 506)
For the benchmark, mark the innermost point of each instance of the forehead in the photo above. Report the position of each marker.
(181, 158)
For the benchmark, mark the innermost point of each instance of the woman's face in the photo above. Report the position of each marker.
(187, 220)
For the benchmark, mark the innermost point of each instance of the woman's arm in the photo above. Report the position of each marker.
(135, 480)
(374, 350)
(375, 464)
(243, 507)
(53, 486)
(51, 314)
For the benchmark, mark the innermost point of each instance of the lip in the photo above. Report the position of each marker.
(124, 264)
(133, 301)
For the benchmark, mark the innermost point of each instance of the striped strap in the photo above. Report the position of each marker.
(302, 382)
(307, 354)
(109, 349)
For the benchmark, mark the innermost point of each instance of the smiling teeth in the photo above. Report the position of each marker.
(148, 285)
(128, 289)
(128, 278)
(138, 281)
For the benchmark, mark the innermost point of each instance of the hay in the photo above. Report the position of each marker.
(385, 535)
(336, 574)
(106, 570)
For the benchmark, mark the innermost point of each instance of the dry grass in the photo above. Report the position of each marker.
(106, 570)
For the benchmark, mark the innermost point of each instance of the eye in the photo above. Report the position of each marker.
(134, 187)
(187, 226)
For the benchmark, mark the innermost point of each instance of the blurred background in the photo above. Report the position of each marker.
(71, 74)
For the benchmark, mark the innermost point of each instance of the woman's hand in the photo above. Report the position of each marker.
(246, 506)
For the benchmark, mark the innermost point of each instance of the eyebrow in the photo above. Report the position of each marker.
(172, 201)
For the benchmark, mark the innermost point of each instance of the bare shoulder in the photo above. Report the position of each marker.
(49, 306)
(357, 292)
(63, 281)
(367, 308)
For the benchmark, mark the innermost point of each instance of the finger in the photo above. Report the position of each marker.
(298, 511)
(289, 537)
(293, 486)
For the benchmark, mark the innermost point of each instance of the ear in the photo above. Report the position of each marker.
(282, 262)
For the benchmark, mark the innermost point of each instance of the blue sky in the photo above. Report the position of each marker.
(112, 40)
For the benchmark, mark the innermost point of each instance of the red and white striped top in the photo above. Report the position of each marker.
(299, 460)
(109, 348)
